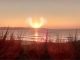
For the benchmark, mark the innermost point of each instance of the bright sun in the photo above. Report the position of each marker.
(36, 23)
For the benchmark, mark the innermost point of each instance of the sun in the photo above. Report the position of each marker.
(36, 23)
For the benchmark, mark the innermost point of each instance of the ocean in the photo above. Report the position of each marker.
(40, 35)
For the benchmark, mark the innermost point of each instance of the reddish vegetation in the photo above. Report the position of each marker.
(9, 50)
(13, 50)
(54, 51)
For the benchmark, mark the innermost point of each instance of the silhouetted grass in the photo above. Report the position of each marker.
(14, 50)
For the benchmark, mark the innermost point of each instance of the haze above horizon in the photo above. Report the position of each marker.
(58, 13)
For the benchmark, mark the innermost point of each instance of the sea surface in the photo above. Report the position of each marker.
(41, 35)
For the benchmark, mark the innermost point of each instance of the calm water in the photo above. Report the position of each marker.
(40, 35)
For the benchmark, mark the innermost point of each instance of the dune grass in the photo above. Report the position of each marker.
(14, 50)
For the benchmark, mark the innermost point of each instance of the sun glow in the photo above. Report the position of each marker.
(36, 23)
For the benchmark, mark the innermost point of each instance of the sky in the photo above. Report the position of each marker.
(58, 13)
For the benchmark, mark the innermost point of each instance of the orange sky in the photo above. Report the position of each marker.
(59, 13)
(56, 22)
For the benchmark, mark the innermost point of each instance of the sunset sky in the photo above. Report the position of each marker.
(58, 13)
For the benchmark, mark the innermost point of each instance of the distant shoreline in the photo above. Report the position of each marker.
(13, 28)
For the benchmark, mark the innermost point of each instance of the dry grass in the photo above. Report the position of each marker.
(13, 49)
